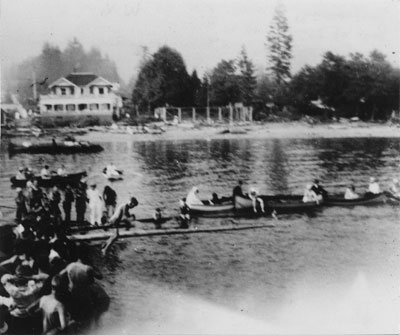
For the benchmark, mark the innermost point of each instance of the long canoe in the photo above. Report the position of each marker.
(366, 200)
(281, 204)
(51, 148)
(70, 179)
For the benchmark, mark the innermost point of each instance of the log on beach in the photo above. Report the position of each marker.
(98, 236)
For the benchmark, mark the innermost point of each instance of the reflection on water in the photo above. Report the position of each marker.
(303, 268)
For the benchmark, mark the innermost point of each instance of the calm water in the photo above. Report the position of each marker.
(337, 271)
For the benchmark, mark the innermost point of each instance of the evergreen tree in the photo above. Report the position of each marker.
(162, 80)
(247, 80)
(224, 82)
(279, 43)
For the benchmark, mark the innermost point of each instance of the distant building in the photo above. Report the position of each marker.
(12, 112)
(80, 97)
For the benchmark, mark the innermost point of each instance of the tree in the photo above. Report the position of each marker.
(74, 57)
(194, 89)
(247, 80)
(162, 80)
(224, 84)
(279, 43)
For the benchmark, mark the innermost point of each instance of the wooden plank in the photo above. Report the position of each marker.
(158, 232)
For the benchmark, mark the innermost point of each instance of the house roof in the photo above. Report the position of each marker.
(81, 79)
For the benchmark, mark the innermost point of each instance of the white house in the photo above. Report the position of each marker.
(80, 95)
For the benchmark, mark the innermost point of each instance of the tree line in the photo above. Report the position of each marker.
(339, 86)
(366, 87)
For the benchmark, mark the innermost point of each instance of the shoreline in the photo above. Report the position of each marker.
(188, 131)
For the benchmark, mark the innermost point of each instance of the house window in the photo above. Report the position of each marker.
(82, 107)
(59, 108)
(91, 90)
(72, 91)
(70, 108)
(48, 107)
(94, 107)
(63, 91)
(81, 90)
(101, 90)
(104, 107)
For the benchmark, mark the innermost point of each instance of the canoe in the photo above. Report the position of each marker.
(281, 204)
(70, 179)
(113, 177)
(391, 198)
(225, 208)
(58, 148)
(366, 200)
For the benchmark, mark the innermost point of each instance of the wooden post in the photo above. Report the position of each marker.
(179, 115)
(219, 114)
(208, 114)
(230, 114)
(251, 114)
(193, 115)
(164, 114)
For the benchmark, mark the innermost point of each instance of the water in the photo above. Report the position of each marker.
(336, 271)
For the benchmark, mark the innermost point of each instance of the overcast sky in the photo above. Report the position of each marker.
(203, 31)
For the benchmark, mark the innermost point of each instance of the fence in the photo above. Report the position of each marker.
(208, 115)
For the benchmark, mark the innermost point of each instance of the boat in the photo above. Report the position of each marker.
(113, 176)
(225, 208)
(64, 147)
(70, 179)
(391, 198)
(365, 200)
(279, 204)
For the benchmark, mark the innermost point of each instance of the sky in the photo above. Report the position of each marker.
(203, 31)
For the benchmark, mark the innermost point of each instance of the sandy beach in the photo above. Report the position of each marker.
(188, 131)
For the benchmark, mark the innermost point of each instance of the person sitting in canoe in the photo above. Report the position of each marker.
(45, 172)
(111, 171)
(21, 174)
(310, 195)
(394, 189)
(237, 191)
(253, 195)
(61, 171)
(215, 200)
(319, 190)
(193, 198)
(373, 187)
(351, 193)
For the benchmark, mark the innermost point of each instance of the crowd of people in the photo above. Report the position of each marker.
(50, 287)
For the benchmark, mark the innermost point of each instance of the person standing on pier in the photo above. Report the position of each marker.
(67, 203)
(80, 202)
(95, 205)
(110, 200)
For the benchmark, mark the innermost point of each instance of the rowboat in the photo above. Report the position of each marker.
(225, 208)
(366, 200)
(66, 147)
(277, 203)
(69, 179)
